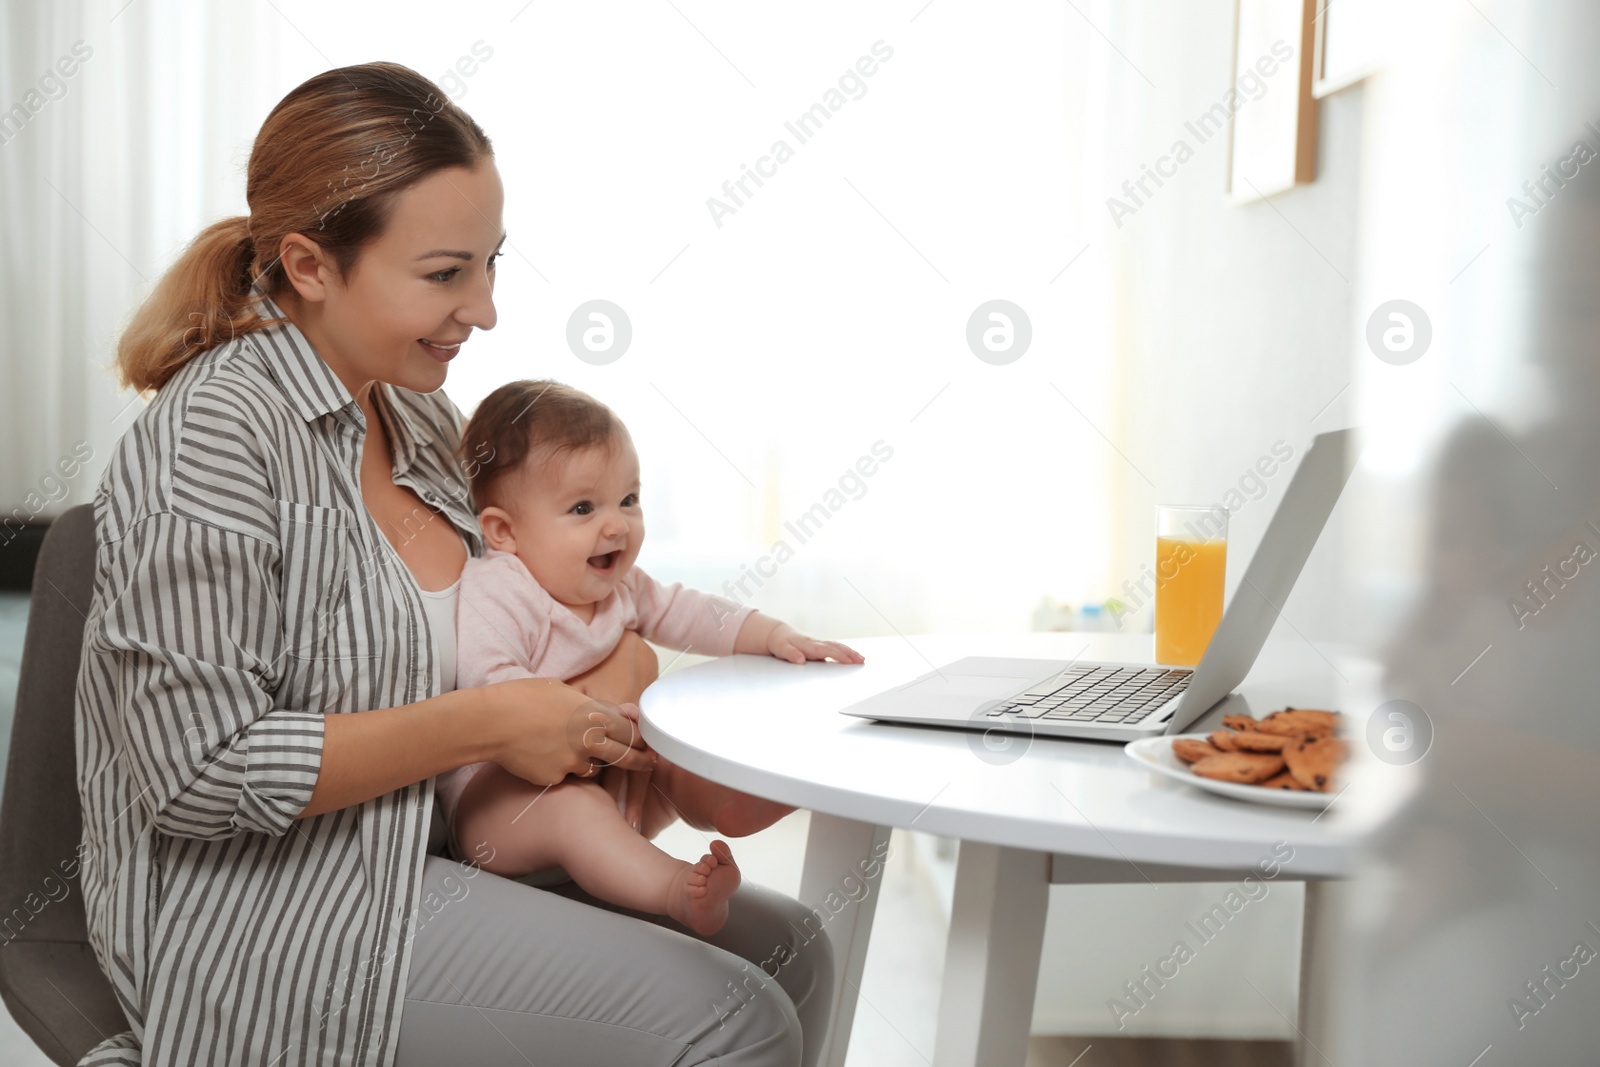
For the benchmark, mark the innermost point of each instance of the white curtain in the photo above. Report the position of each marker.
(124, 128)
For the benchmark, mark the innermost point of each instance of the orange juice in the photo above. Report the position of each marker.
(1188, 596)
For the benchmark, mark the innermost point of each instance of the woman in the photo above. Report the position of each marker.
(267, 689)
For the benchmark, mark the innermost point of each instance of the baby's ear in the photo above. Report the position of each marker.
(497, 532)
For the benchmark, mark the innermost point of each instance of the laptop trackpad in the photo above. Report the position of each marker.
(965, 685)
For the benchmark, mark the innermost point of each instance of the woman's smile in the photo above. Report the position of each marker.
(441, 352)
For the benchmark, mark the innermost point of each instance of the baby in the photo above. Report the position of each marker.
(558, 500)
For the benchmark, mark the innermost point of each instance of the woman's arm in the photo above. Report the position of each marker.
(214, 757)
(368, 753)
(537, 728)
(624, 675)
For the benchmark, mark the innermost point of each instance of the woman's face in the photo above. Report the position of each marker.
(415, 293)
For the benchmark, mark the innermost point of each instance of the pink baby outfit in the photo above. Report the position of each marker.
(507, 626)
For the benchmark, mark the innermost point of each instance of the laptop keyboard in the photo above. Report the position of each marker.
(1122, 695)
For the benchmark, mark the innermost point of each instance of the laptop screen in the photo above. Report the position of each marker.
(1267, 582)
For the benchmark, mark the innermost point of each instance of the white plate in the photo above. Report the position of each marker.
(1156, 754)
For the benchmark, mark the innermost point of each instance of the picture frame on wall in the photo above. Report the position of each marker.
(1346, 47)
(1273, 129)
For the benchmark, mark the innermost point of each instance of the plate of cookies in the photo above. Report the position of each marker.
(1291, 758)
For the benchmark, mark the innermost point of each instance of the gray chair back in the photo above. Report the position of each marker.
(49, 977)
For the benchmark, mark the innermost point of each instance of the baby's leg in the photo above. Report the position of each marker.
(705, 805)
(657, 813)
(514, 827)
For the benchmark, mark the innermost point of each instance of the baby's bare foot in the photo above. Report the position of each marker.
(699, 894)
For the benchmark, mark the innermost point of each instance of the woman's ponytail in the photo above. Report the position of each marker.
(328, 163)
(202, 301)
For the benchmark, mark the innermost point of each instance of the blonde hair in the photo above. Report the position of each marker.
(328, 163)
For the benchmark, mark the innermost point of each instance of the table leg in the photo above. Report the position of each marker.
(844, 864)
(991, 963)
(1311, 1044)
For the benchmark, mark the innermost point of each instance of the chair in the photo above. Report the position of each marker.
(49, 977)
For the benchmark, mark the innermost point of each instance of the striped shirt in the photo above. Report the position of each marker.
(242, 592)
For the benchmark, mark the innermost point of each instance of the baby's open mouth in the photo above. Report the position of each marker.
(605, 562)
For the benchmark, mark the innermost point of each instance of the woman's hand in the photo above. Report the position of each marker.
(614, 779)
(545, 730)
(621, 678)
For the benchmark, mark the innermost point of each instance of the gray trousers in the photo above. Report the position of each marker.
(505, 973)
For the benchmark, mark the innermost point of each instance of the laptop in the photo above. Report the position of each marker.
(1116, 701)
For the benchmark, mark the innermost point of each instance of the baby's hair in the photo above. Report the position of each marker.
(526, 417)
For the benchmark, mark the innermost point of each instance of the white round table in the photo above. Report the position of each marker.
(1028, 813)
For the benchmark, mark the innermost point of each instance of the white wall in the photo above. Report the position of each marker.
(1233, 323)
(1232, 331)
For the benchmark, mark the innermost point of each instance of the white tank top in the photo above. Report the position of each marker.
(441, 606)
(442, 616)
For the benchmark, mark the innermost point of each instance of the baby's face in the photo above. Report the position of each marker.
(578, 523)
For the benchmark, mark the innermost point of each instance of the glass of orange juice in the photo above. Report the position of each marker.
(1191, 554)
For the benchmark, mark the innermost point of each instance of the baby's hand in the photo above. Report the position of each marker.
(787, 643)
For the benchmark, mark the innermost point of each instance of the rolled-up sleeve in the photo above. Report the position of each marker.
(195, 628)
